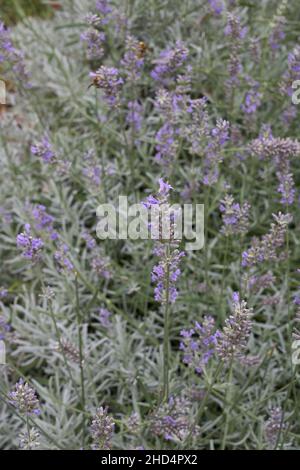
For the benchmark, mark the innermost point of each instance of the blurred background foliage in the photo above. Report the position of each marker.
(13, 10)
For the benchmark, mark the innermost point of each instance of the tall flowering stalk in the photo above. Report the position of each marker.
(267, 248)
(167, 271)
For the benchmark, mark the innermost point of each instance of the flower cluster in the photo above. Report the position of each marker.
(134, 116)
(30, 246)
(166, 272)
(94, 40)
(273, 426)
(235, 217)
(44, 150)
(13, 56)
(252, 99)
(236, 33)
(286, 188)
(104, 316)
(62, 259)
(267, 146)
(133, 59)
(65, 347)
(217, 6)
(172, 420)
(233, 339)
(24, 398)
(198, 344)
(266, 248)
(44, 221)
(219, 135)
(101, 265)
(168, 63)
(29, 440)
(255, 283)
(108, 79)
(102, 429)
(293, 72)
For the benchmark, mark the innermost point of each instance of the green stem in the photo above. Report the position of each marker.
(166, 346)
(58, 336)
(227, 411)
(80, 346)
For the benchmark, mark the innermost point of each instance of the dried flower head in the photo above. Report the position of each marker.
(233, 339)
(24, 398)
(102, 429)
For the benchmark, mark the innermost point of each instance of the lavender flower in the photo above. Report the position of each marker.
(172, 420)
(102, 429)
(24, 399)
(166, 144)
(94, 40)
(133, 60)
(264, 281)
(104, 316)
(277, 35)
(236, 34)
(166, 272)
(266, 249)
(168, 63)
(29, 440)
(103, 7)
(213, 151)
(68, 350)
(89, 240)
(197, 130)
(252, 99)
(267, 146)
(273, 426)
(289, 115)
(198, 344)
(108, 79)
(5, 329)
(280, 151)
(292, 74)
(217, 6)
(3, 292)
(92, 170)
(233, 339)
(134, 115)
(30, 246)
(44, 221)
(101, 266)
(286, 188)
(13, 56)
(61, 258)
(235, 217)
(44, 150)
(6, 46)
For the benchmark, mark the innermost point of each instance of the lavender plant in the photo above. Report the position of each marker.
(144, 344)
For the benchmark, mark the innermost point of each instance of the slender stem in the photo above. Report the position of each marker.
(80, 346)
(291, 390)
(166, 347)
(204, 401)
(227, 400)
(58, 336)
(223, 277)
